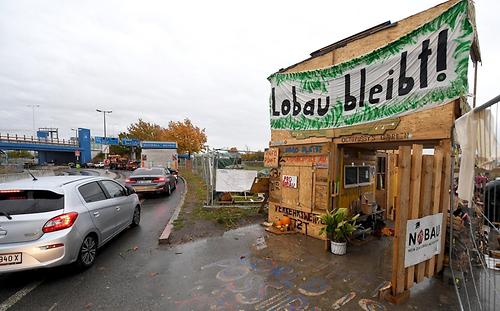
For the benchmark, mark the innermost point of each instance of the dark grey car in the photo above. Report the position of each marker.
(150, 180)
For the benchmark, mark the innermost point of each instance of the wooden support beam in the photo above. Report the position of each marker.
(398, 269)
(445, 198)
(416, 169)
(436, 201)
(334, 175)
(425, 203)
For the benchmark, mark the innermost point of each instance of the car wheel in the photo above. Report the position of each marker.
(136, 219)
(175, 186)
(168, 190)
(88, 251)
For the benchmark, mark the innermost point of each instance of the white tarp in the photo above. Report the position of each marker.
(479, 146)
(423, 239)
(234, 180)
(466, 130)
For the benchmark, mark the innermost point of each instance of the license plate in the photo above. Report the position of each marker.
(141, 188)
(11, 259)
(143, 182)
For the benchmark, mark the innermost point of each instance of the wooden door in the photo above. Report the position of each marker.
(301, 196)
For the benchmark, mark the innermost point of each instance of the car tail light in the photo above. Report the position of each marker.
(128, 180)
(11, 191)
(159, 179)
(51, 246)
(60, 222)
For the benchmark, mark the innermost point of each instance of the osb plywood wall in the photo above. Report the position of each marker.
(372, 42)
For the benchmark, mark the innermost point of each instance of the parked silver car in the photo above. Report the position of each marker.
(52, 221)
(156, 179)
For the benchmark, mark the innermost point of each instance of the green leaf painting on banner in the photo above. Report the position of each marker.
(422, 69)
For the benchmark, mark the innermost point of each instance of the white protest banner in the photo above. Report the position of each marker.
(425, 68)
(423, 239)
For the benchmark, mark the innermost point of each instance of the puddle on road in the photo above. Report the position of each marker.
(288, 273)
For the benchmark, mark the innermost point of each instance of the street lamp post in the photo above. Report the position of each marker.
(104, 116)
(77, 153)
(33, 106)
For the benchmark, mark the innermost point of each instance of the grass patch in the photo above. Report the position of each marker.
(229, 217)
(178, 224)
(196, 187)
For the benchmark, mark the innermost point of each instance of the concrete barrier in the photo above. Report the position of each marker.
(16, 176)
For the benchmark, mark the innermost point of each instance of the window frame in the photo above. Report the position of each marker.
(100, 187)
(357, 184)
(106, 192)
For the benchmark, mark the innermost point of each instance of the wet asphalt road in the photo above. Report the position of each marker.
(244, 269)
(115, 280)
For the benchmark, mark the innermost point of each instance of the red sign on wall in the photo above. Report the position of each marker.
(289, 181)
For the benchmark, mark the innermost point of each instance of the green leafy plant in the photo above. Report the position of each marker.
(339, 226)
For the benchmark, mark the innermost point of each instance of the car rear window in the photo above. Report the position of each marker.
(148, 171)
(20, 202)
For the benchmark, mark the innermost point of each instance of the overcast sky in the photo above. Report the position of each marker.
(168, 60)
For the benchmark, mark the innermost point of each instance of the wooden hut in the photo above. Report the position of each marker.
(367, 121)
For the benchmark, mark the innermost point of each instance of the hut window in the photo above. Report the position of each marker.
(355, 176)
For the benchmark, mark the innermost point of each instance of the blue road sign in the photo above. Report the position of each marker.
(42, 134)
(130, 142)
(158, 145)
(106, 140)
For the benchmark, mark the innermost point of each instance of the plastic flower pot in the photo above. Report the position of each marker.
(338, 248)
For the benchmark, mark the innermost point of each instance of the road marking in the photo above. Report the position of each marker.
(12, 300)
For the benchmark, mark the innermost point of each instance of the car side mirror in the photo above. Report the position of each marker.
(130, 190)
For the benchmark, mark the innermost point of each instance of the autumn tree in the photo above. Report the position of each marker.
(143, 130)
(190, 138)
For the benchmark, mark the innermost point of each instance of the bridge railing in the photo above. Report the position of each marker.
(14, 138)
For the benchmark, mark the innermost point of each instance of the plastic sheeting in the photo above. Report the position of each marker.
(234, 180)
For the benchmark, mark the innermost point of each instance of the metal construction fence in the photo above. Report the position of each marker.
(209, 165)
(474, 235)
(204, 166)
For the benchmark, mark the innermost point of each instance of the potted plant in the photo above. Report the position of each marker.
(339, 227)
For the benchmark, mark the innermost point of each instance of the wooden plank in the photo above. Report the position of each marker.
(416, 170)
(321, 198)
(275, 185)
(290, 196)
(305, 222)
(321, 193)
(271, 157)
(425, 203)
(333, 175)
(392, 184)
(445, 199)
(436, 200)
(398, 269)
(313, 195)
(430, 124)
(306, 187)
